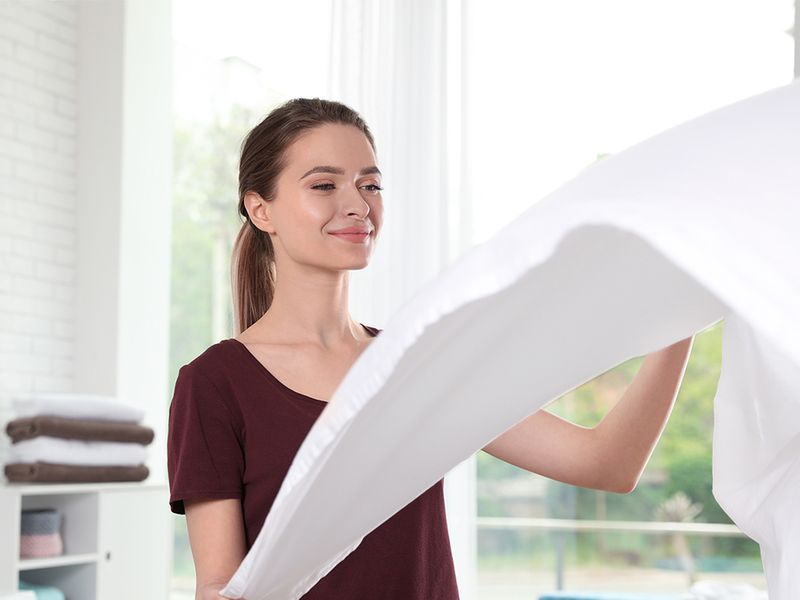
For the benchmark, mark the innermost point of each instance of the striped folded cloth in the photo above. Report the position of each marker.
(40, 533)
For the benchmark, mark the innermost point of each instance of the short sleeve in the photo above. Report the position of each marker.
(205, 457)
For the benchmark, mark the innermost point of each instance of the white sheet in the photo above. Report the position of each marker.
(638, 251)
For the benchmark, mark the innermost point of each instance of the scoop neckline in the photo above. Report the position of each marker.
(266, 372)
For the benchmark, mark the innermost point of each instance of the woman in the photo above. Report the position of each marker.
(310, 194)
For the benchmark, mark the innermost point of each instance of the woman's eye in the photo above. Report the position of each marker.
(328, 186)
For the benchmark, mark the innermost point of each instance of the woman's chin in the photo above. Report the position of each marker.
(356, 264)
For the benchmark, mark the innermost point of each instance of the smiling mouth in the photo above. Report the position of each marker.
(352, 237)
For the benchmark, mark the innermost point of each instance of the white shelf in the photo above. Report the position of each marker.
(27, 564)
(49, 489)
(116, 539)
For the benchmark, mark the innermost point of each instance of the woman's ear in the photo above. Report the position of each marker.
(259, 211)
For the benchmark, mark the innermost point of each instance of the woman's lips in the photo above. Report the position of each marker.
(355, 238)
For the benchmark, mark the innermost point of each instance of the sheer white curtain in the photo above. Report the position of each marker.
(398, 63)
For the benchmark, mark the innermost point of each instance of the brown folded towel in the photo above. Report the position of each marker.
(78, 429)
(58, 473)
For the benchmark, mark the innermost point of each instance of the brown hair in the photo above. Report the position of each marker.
(263, 158)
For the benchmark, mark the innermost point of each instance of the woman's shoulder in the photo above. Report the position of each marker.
(217, 364)
(210, 379)
(212, 356)
(214, 353)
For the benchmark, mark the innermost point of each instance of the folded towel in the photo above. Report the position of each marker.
(40, 546)
(78, 406)
(78, 429)
(40, 521)
(77, 452)
(43, 592)
(61, 473)
(19, 595)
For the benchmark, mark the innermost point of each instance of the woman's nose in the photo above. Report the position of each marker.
(355, 203)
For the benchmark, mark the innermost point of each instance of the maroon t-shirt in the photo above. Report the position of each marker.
(233, 432)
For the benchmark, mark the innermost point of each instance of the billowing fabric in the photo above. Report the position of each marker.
(640, 250)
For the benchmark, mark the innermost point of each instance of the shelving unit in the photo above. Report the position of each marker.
(117, 539)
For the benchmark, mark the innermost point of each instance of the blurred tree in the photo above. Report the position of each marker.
(205, 223)
(679, 508)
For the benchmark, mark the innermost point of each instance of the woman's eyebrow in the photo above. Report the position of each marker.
(339, 171)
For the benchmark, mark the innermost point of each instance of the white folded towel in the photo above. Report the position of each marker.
(77, 406)
(77, 452)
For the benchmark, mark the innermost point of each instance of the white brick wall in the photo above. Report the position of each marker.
(38, 181)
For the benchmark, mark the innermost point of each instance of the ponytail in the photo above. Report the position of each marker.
(252, 275)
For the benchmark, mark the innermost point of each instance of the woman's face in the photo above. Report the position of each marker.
(312, 203)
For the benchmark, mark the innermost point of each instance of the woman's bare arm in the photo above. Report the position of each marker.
(216, 536)
(612, 455)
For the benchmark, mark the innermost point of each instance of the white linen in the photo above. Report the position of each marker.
(77, 452)
(638, 251)
(77, 406)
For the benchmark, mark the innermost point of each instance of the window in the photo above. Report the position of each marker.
(552, 87)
